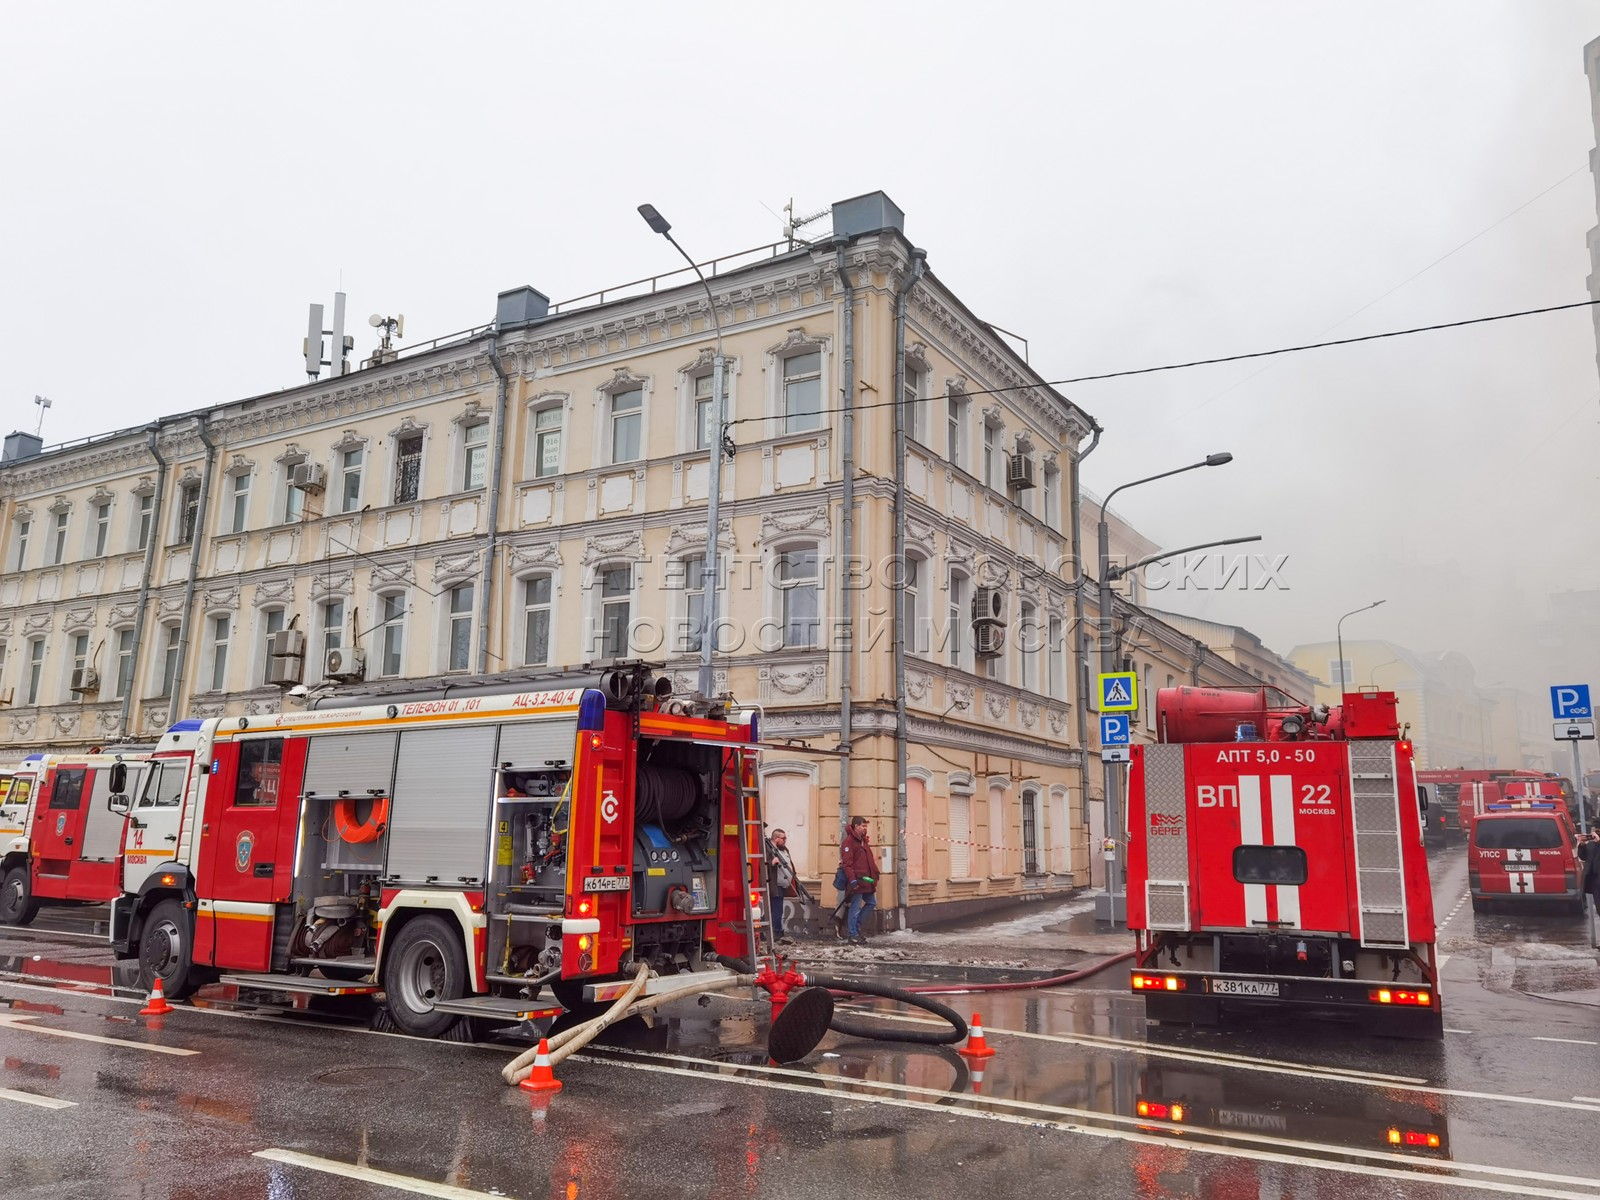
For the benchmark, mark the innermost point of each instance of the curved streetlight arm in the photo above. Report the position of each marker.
(1338, 635)
(1116, 572)
(1135, 483)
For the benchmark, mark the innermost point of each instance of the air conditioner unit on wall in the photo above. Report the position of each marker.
(988, 606)
(346, 666)
(1020, 473)
(988, 639)
(307, 476)
(85, 679)
(286, 643)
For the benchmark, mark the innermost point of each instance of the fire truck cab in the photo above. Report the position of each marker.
(59, 837)
(1275, 857)
(452, 853)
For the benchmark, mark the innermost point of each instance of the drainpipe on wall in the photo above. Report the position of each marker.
(847, 540)
(919, 259)
(1080, 650)
(1199, 659)
(182, 666)
(152, 433)
(495, 477)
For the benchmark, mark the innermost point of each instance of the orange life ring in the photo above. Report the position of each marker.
(370, 830)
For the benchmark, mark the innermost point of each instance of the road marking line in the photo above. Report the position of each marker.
(1587, 1099)
(404, 1183)
(1458, 1031)
(1567, 1041)
(1425, 1170)
(9, 1021)
(40, 1101)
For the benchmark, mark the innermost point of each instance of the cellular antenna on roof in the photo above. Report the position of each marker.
(792, 225)
(43, 402)
(341, 343)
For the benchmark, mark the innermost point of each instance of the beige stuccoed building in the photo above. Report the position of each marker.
(531, 496)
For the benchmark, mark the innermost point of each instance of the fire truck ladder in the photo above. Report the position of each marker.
(1380, 875)
(753, 862)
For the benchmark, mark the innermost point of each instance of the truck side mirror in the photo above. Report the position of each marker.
(119, 778)
(119, 802)
(1422, 798)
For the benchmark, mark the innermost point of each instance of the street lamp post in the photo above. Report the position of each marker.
(708, 625)
(1111, 905)
(1338, 634)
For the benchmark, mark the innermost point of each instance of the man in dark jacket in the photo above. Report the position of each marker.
(860, 866)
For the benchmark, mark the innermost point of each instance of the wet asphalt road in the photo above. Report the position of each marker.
(247, 1097)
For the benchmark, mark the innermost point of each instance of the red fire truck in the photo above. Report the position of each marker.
(454, 852)
(1275, 856)
(1463, 792)
(59, 838)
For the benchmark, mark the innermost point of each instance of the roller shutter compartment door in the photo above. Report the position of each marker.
(102, 831)
(357, 763)
(531, 744)
(439, 821)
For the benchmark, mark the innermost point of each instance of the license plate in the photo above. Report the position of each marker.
(1243, 987)
(606, 883)
(1529, 867)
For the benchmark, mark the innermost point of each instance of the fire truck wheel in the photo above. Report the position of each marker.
(426, 964)
(166, 948)
(17, 905)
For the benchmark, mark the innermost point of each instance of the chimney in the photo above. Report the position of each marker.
(521, 306)
(20, 446)
(869, 213)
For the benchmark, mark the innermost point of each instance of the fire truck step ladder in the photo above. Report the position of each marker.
(753, 837)
(1375, 815)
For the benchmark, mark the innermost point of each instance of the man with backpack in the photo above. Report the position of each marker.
(857, 877)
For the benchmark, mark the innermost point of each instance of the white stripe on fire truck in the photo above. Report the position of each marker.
(1255, 894)
(1283, 835)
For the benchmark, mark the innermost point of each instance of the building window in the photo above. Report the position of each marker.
(58, 539)
(169, 661)
(474, 455)
(332, 626)
(271, 623)
(221, 632)
(460, 641)
(392, 642)
(124, 663)
(1051, 499)
(627, 415)
(350, 479)
(956, 430)
(692, 581)
(914, 610)
(1028, 646)
(1058, 659)
(147, 511)
(239, 508)
(100, 531)
(35, 668)
(188, 513)
(997, 827)
(994, 456)
(960, 835)
(705, 413)
(408, 468)
(80, 656)
(956, 635)
(1030, 831)
(1341, 673)
(19, 553)
(913, 412)
(547, 441)
(802, 392)
(536, 594)
(616, 611)
(294, 499)
(797, 590)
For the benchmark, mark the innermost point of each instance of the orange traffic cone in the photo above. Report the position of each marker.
(541, 1078)
(157, 1005)
(975, 1077)
(976, 1047)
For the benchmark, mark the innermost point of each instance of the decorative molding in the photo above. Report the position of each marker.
(1028, 713)
(534, 555)
(784, 523)
(329, 585)
(802, 681)
(959, 695)
(392, 571)
(274, 591)
(21, 728)
(108, 721)
(156, 718)
(36, 623)
(292, 454)
(920, 534)
(349, 440)
(622, 380)
(226, 597)
(1058, 720)
(797, 341)
(213, 706)
(145, 487)
(918, 685)
(473, 414)
(682, 539)
(997, 704)
(169, 608)
(66, 723)
(101, 495)
(626, 543)
(408, 426)
(455, 565)
(240, 466)
(78, 619)
(60, 505)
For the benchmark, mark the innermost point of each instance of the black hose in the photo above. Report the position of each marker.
(877, 1032)
(664, 795)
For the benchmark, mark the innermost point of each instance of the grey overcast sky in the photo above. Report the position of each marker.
(1124, 185)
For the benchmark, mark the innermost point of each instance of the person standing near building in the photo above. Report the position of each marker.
(781, 880)
(860, 867)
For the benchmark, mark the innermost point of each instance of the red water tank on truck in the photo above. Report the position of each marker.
(1275, 857)
(456, 852)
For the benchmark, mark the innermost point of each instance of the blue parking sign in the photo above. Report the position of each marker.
(1569, 701)
(1114, 730)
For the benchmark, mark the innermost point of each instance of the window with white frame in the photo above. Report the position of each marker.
(796, 577)
(169, 659)
(960, 833)
(19, 543)
(625, 411)
(1032, 813)
(221, 634)
(332, 618)
(3, 649)
(294, 499)
(1341, 672)
(124, 663)
(913, 412)
(547, 441)
(955, 444)
(99, 529)
(271, 622)
(35, 668)
(691, 581)
(188, 513)
(80, 656)
(58, 538)
(1058, 658)
(459, 638)
(914, 598)
(997, 829)
(537, 593)
(956, 636)
(802, 392)
(1051, 499)
(350, 463)
(705, 412)
(1028, 645)
(407, 468)
(238, 502)
(616, 610)
(392, 635)
(474, 455)
(142, 520)
(994, 455)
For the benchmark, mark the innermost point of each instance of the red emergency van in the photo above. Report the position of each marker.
(1524, 852)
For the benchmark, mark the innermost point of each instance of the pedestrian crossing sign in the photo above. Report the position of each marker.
(1118, 691)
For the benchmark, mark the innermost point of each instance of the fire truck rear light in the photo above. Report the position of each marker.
(1414, 1137)
(1161, 1112)
(584, 908)
(1157, 983)
(583, 942)
(1394, 1136)
(1420, 999)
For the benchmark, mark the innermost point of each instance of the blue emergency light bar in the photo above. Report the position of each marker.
(1520, 805)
